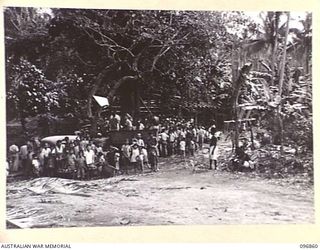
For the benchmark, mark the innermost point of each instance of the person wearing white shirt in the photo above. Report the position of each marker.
(164, 143)
(89, 156)
(182, 147)
(140, 141)
(14, 157)
(44, 157)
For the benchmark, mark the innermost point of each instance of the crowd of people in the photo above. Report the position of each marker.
(84, 157)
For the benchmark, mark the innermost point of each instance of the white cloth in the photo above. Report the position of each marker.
(141, 126)
(36, 164)
(214, 155)
(89, 156)
(140, 142)
(164, 136)
(14, 149)
(182, 145)
(45, 152)
(135, 152)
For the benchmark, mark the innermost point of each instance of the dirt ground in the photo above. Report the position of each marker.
(176, 195)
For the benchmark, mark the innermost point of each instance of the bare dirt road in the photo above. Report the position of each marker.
(176, 195)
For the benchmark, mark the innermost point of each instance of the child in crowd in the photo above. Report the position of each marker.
(71, 162)
(134, 156)
(81, 165)
(36, 168)
(153, 158)
(89, 156)
(182, 146)
(192, 147)
(101, 161)
(145, 160)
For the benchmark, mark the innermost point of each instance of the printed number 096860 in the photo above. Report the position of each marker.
(308, 245)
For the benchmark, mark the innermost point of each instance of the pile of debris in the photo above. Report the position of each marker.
(269, 162)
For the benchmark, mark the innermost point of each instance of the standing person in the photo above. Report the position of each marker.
(145, 158)
(125, 156)
(117, 162)
(36, 167)
(29, 168)
(128, 122)
(83, 143)
(182, 147)
(76, 147)
(201, 136)
(58, 154)
(93, 146)
(66, 142)
(81, 165)
(36, 144)
(25, 163)
(153, 158)
(23, 156)
(213, 129)
(101, 161)
(195, 136)
(189, 138)
(171, 143)
(44, 156)
(214, 151)
(134, 156)
(115, 120)
(14, 158)
(140, 140)
(89, 156)
(153, 142)
(192, 147)
(164, 143)
(51, 165)
(71, 163)
(153, 152)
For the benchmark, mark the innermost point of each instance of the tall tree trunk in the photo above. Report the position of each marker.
(94, 117)
(97, 85)
(242, 76)
(283, 64)
(274, 51)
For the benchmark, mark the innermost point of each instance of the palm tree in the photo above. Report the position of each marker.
(268, 39)
(301, 45)
(281, 77)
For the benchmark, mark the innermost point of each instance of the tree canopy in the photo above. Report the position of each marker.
(185, 60)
